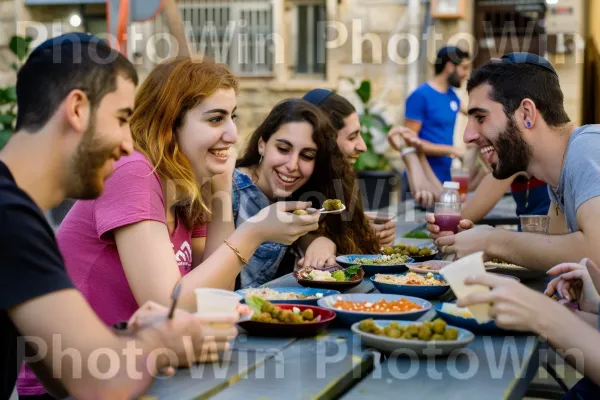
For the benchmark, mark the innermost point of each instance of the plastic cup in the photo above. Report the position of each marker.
(379, 217)
(535, 223)
(447, 216)
(462, 177)
(216, 302)
(456, 273)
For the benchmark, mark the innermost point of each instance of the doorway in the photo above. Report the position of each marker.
(506, 26)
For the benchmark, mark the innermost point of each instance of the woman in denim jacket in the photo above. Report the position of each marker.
(293, 155)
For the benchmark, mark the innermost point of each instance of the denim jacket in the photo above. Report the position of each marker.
(248, 200)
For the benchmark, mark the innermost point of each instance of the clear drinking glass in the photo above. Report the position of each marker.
(535, 223)
(447, 216)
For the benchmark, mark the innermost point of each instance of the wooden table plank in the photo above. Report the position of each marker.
(205, 380)
(490, 368)
(311, 368)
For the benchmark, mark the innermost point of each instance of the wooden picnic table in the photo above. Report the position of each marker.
(336, 365)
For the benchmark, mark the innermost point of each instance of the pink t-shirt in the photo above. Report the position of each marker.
(133, 193)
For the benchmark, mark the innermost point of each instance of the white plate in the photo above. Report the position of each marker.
(409, 347)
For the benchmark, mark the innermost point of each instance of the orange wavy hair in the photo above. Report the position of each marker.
(168, 93)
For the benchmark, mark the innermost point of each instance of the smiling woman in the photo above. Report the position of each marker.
(293, 154)
(165, 213)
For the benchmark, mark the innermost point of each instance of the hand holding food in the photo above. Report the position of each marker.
(277, 223)
(515, 306)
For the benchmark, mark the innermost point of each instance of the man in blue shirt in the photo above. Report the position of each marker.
(432, 108)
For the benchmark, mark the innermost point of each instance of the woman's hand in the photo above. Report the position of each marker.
(384, 229)
(320, 253)
(276, 223)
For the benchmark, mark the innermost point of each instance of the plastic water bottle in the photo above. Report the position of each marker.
(450, 193)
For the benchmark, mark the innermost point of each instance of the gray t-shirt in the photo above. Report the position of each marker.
(580, 177)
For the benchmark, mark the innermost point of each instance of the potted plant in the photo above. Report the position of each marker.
(19, 46)
(376, 177)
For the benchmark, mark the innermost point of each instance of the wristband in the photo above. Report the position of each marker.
(408, 150)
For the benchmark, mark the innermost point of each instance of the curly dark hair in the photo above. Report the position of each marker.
(333, 177)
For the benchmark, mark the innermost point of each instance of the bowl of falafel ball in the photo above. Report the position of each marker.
(418, 254)
(409, 338)
(285, 320)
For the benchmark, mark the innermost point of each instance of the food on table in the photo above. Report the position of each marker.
(411, 278)
(382, 306)
(336, 275)
(300, 212)
(332, 205)
(428, 331)
(270, 294)
(407, 250)
(425, 266)
(393, 259)
(420, 234)
(453, 309)
(505, 264)
(265, 311)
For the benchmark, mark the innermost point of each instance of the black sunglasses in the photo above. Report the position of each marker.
(528, 58)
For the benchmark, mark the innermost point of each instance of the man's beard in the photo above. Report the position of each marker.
(454, 79)
(514, 153)
(84, 179)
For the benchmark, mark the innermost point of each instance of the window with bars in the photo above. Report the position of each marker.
(236, 32)
(310, 32)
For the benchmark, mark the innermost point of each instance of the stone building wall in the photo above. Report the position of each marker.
(378, 19)
(7, 30)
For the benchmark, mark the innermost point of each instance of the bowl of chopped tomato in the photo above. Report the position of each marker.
(351, 308)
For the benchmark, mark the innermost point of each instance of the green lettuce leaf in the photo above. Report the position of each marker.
(351, 271)
(255, 303)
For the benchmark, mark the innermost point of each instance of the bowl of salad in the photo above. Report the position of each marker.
(334, 278)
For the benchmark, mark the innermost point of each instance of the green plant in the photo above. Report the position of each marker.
(374, 128)
(19, 46)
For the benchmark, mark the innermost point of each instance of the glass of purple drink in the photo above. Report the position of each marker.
(447, 216)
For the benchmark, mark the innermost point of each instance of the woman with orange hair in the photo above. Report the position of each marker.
(166, 211)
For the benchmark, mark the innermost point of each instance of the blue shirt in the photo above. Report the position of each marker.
(247, 201)
(531, 196)
(437, 113)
